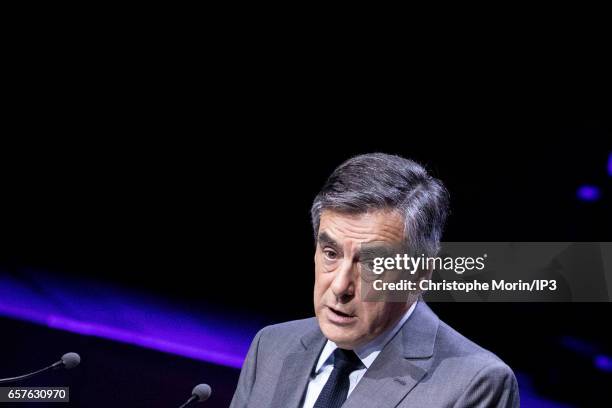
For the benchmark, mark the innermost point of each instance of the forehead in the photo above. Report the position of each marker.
(382, 225)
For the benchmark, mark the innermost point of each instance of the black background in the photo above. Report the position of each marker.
(198, 188)
(180, 219)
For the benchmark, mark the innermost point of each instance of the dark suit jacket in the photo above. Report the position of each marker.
(427, 364)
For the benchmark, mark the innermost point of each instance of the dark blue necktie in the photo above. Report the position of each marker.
(336, 388)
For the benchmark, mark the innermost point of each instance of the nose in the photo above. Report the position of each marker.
(343, 285)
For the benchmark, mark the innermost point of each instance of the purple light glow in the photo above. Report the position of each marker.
(588, 193)
(104, 311)
(610, 164)
(604, 363)
(601, 361)
(578, 345)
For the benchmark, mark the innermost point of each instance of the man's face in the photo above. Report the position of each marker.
(343, 317)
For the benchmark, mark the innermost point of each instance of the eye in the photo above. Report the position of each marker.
(330, 254)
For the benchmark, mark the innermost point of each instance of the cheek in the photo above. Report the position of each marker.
(321, 284)
(317, 265)
(372, 312)
(320, 268)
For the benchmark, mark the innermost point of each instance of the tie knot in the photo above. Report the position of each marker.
(347, 360)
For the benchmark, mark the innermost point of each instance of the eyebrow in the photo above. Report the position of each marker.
(326, 239)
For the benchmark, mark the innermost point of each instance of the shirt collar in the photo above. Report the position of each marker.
(367, 353)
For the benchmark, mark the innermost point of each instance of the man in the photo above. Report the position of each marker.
(371, 354)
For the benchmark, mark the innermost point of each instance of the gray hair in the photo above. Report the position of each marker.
(379, 181)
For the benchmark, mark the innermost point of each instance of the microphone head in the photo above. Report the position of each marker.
(71, 360)
(202, 391)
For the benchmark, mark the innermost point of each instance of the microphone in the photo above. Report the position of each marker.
(68, 361)
(200, 393)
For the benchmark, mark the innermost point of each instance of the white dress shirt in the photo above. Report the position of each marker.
(367, 354)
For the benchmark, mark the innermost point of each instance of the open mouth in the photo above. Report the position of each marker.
(339, 317)
(339, 313)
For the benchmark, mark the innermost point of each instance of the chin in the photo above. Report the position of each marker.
(342, 337)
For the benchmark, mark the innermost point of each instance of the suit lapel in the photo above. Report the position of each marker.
(386, 382)
(296, 370)
(400, 366)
